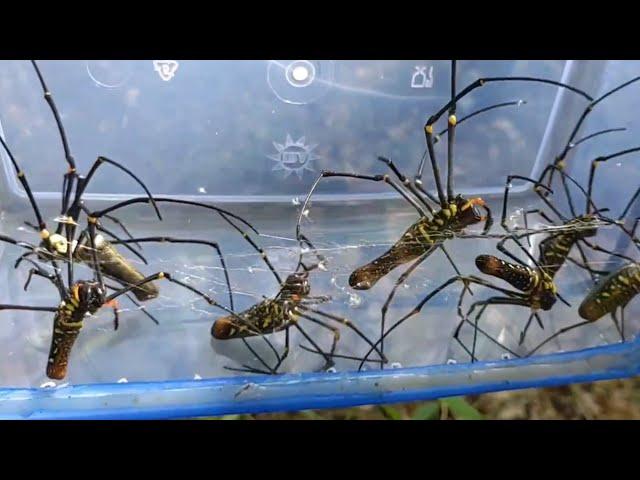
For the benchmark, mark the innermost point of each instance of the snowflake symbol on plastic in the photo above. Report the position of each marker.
(293, 156)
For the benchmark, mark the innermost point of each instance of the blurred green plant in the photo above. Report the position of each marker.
(456, 408)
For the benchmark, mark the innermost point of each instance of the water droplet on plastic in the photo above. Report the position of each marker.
(509, 185)
(48, 385)
(396, 365)
(295, 201)
(505, 356)
(333, 280)
(619, 164)
(197, 377)
(123, 380)
(305, 213)
(322, 266)
(332, 370)
(355, 300)
(304, 250)
(250, 269)
(406, 285)
(202, 190)
(520, 102)
(571, 145)
(451, 361)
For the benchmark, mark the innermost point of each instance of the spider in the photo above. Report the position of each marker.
(79, 300)
(283, 311)
(613, 292)
(71, 249)
(61, 244)
(560, 161)
(449, 218)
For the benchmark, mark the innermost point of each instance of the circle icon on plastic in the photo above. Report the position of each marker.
(300, 81)
(110, 73)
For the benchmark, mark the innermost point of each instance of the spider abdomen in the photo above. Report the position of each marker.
(612, 292)
(269, 316)
(66, 328)
(523, 278)
(114, 265)
(416, 240)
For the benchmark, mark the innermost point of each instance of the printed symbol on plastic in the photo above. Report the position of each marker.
(293, 157)
(166, 68)
(422, 79)
(298, 82)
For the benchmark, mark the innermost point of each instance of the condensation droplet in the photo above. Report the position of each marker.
(202, 190)
(250, 269)
(304, 250)
(396, 365)
(48, 385)
(295, 201)
(332, 370)
(305, 213)
(505, 356)
(509, 185)
(322, 266)
(355, 300)
(123, 380)
(619, 164)
(451, 361)
(333, 280)
(406, 285)
(571, 145)
(197, 377)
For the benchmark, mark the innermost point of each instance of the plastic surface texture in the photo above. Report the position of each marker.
(252, 137)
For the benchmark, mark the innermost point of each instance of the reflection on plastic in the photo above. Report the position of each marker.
(109, 73)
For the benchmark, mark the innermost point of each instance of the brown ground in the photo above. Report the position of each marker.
(617, 399)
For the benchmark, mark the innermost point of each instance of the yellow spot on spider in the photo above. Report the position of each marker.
(429, 129)
(20, 174)
(452, 120)
(161, 275)
(93, 220)
(44, 234)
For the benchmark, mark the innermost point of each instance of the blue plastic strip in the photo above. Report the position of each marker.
(256, 394)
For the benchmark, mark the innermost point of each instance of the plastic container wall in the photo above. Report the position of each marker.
(252, 137)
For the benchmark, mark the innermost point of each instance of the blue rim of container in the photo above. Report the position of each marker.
(290, 392)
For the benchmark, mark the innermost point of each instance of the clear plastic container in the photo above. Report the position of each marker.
(251, 137)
